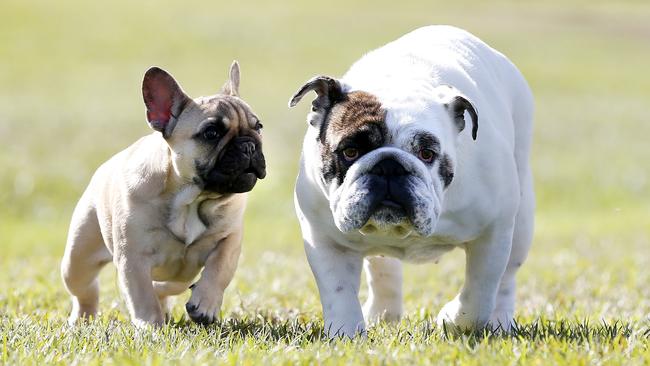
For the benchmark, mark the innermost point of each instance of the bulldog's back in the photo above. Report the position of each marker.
(411, 67)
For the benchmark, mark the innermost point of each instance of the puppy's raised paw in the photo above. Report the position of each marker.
(204, 306)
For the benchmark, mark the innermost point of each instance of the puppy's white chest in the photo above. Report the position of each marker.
(184, 220)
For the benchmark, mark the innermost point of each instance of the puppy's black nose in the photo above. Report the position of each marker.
(245, 144)
(388, 167)
(247, 147)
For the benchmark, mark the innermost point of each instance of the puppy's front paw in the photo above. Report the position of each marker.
(148, 323)
(166, 304)
(76, 318)
(81, 313)
(204, 306)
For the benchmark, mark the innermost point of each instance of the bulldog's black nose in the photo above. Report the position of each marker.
(388, 167)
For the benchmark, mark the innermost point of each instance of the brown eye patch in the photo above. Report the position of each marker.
(358, 121)
(351, 115)
(368, 138)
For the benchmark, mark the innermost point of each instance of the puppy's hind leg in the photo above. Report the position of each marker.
(85, 255)
(164, 290)
(384, 278)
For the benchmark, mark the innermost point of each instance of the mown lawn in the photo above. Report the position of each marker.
(70, 97)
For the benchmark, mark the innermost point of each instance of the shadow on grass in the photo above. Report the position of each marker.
(262, 327)
(271, 328)
(543, 330)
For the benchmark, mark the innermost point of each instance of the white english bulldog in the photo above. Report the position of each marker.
(395, 167)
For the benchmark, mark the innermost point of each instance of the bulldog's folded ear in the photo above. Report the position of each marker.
(456, 104)
(457, 107)
(232, 85)
(164, 100)
(329, 91)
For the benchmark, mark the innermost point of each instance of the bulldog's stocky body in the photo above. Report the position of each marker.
(420, 148)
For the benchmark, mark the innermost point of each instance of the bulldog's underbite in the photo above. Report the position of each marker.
(169, 206)
(420, 148)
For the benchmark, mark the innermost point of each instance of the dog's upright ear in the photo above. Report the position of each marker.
(164, 100)
(231, 87)
(329, 92)
(457, 104)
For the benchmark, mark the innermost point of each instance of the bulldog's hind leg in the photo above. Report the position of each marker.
(503, 313)
(384, 279)
(85, 255)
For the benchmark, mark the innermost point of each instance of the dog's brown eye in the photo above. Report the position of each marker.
(350, 153)
(426, 155)
(259, 126)
(210, 133)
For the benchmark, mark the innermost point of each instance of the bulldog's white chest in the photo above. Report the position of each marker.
(411, 249)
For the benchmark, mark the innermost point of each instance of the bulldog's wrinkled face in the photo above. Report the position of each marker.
(385, 172)
(215, 142)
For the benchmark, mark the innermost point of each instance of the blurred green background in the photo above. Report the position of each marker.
(70, 74)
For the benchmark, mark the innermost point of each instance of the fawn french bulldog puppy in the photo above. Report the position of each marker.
(395, 167)
(169, 205)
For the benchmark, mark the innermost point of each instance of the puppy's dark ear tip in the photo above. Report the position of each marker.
(153, 70)
(293, 101)
(155, 73)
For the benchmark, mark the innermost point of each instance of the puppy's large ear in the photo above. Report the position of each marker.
(164, 100)
(329, 91)
(232, 85)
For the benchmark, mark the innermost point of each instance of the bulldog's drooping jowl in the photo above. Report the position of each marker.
(169, 205)
(420, 148)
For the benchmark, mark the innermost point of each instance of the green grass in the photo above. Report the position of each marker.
(70, 77)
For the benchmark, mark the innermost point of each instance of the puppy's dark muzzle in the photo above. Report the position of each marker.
(239, 167)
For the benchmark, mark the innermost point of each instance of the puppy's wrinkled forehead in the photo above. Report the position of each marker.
(231, 111)
(359, 112)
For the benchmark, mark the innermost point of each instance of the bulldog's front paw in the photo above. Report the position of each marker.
(204, 306)
(501, 320)
(460, 318)
(345, 329)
